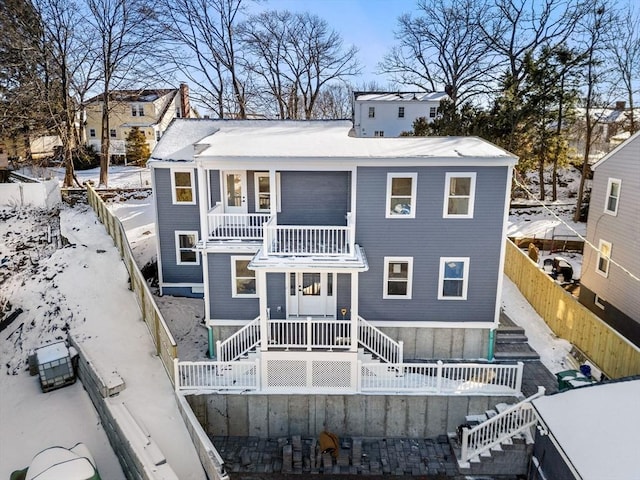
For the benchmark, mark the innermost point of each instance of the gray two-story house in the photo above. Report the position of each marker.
(299, 234)
(610, 285)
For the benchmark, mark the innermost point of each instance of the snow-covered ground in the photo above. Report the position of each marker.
(83, 288)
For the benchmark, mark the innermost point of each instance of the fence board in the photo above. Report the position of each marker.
(568, 319)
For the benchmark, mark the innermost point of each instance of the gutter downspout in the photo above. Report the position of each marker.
(211, 352)
(490, 350)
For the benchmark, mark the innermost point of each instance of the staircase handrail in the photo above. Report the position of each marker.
(494, 436)
(384, 347)
(241, 342)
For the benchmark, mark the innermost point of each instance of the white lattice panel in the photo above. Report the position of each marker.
(331, 374)
(286, 373)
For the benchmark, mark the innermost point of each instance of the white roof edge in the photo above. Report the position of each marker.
(615, 150)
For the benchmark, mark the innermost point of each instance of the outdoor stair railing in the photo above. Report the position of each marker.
(238, 344)
(378, 343)
(498, 428)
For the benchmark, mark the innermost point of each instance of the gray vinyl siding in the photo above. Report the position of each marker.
(314, 198)
(171, 218)
(427, 238)
(224, 306)
(622, 231)
(214, 187)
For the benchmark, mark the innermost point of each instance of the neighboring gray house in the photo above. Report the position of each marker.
(610, 271)
(389, 114)
(285, 221)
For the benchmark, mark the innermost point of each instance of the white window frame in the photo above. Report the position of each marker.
(400, 112)
(604, 273)
(447, 194)
(414, 187)
(256, 187)
(611, 182)
(192, 187)
(179, 249)
(92, 132)
(372, 112)
(378, 133)
(465, 278)
(598, 301)
(432, 112)
(385, 285)
(234, 278)
(113, 133)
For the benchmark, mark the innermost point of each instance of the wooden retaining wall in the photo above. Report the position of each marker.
(569, 319)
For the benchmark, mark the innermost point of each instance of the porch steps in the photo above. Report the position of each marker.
(510, 457)
(512, 345)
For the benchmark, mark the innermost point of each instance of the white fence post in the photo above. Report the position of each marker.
(176, 375)
(439, 377)
(309, 330)
(519, 373)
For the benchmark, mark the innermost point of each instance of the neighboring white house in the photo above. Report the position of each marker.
(386, 114)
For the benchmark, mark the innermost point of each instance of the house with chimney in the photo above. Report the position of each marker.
(389, 114)
(150, 110)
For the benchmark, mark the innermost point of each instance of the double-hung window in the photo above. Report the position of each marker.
(613, 196)
(182, 187)
(604, 258)
(372, 112)
(432, 112)
(397, 277)
(400, 112)
(243, 280)
(459, 192)
(185, 244)
(137, 109)
(92, 132)
(262, 182)
(401, 195)
(453, 278)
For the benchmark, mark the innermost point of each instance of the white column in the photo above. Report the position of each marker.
(273, 192)
(262, 294)
(354, 311)
(203, 204)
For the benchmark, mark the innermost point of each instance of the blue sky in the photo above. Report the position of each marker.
(367, 24)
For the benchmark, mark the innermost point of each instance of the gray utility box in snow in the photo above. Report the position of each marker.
(55, 366)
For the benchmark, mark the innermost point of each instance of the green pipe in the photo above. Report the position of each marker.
(492, 334)
(210, 336)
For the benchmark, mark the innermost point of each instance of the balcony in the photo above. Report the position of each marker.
(283, 240)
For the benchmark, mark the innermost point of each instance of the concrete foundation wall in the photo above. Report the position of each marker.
(423, 343)
(272, 416)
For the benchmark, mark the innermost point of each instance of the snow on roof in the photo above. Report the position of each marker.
(596, 427)
(613, 152)
(400, 96)
(309, 139)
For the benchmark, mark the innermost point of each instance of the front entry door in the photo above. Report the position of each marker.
(311, 294)
(235, 192)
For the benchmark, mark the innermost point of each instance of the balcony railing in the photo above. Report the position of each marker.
(312, 240)
(236, 226)
(310, 333)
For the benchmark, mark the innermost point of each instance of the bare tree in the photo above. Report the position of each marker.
(335, 102)
(128, 39)
(206, 31)
(624, 45)
(442, 49)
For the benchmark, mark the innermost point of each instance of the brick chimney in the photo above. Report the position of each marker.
(620, 105)
(184, 100)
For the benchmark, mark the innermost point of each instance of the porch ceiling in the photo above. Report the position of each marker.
(357, 263)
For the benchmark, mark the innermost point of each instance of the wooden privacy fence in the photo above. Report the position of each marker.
(569, 319)
(166, 347)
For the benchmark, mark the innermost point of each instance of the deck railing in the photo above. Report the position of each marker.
(316, 372)
(238, 344)
(232, 226)
(310, 333)
(499, 428)
(381, 345)
(309, 240)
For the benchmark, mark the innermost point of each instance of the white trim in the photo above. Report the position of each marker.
(234, 277)
(157, 233)
(256, 184)
(608, 195)
(385, 285)
(465, 277)
(183, 285)
(174, 199)
(600, 245)
(429, 324)
(412, 202)
(447, 194)
(503, 245)
(179, 249)
(597, 301)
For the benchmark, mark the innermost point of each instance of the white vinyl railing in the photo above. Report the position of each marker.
(499, 428)
(333, 374)
(217, 376)
(310, 333)
(238, 344)
(381, 345)
(231, 226)
(312, 240)
(441, 378)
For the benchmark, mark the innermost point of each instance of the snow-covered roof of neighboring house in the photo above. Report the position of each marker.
(596, 427)
(148, 95)
(298, 140)
(400, 96)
